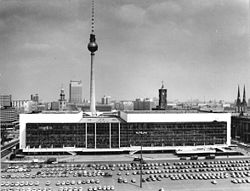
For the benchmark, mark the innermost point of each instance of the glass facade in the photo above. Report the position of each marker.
(114, 135)
(106, 135)
(55, 135)
(102, 135)
(240, 130)
(90, 135)
(173, 134)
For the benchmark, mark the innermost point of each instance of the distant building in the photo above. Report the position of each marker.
(23, 106)
(106, 100)
(42, 107)
(34, 97)
(8, 114)
(148, 104)
(124, 105)
(62, 101)
(138, 104)
(241, 106)
(162, 99)
(5, 101)
(244, 102)
(144, 104)
(54, 106)
(8, 117)
(19, 103)
(75, 92)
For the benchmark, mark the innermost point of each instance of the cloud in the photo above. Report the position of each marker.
(162, 40)
(131, 14)
(36, 46)
(166, 7)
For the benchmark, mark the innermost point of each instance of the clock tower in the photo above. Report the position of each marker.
(162, 98)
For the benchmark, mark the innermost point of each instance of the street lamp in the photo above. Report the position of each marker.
(141, 133)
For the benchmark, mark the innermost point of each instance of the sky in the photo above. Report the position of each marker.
(198, 48)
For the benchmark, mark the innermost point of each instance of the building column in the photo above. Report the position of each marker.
(228, 135)
(109, 135)
(119, 135)
(86, 135)
(95, 135)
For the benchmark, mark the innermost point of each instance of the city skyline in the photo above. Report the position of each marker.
(44, 44)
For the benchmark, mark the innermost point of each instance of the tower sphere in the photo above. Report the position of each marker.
(92, 46)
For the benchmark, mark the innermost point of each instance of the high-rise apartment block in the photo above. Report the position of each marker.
(75, 92)
(8, 115)
(106, 100)
(5, 100)
(34, 97)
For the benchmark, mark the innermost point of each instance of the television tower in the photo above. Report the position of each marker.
(92, 47)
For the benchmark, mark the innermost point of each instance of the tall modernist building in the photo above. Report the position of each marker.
(75, 92)
(8, 115)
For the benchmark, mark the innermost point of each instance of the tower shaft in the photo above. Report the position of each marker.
(92, 86)
(92, 47)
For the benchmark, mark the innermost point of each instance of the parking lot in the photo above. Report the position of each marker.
(218, 174)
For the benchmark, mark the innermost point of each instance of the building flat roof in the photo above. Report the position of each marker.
(126, 116)
(58, 112)
(100, 120)
(170, 111)
(162, 116)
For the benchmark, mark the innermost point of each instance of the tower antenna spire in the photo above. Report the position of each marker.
(93, 18)
(162, 84)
